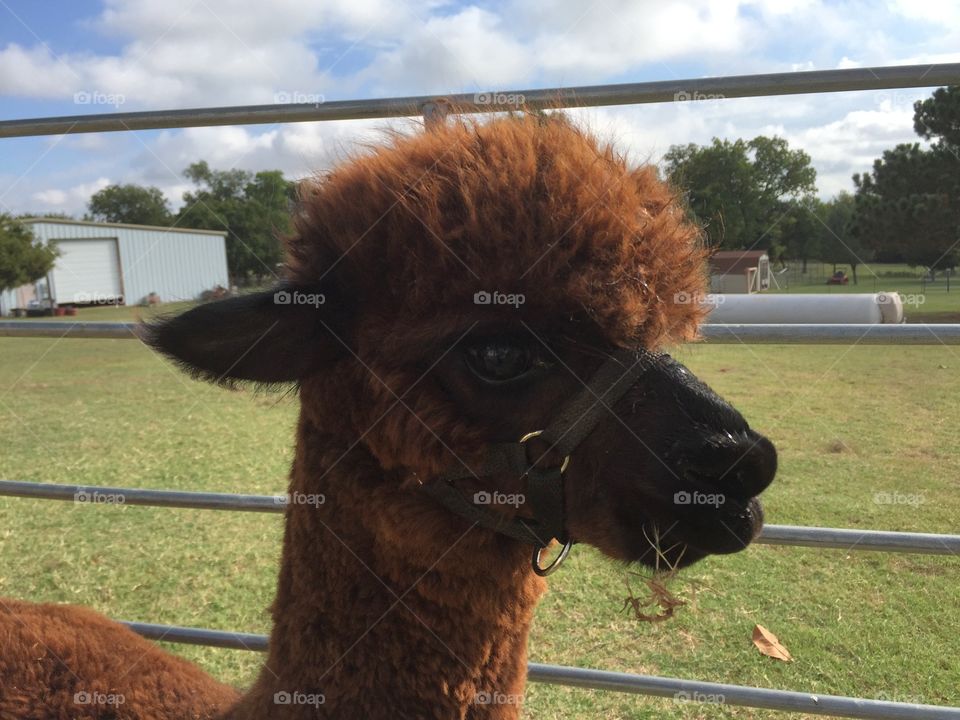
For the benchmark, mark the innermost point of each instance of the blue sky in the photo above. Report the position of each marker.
(150, 54)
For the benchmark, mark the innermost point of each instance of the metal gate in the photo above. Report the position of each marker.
(625, 94)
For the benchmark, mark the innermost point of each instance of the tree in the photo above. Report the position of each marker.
(22, 259)
(908, 207)
(742, 190)
(133, 204)
(799, 230)
(838, 243)
(253, 209)
(939, 116)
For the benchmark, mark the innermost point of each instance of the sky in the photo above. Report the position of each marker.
(73, 57)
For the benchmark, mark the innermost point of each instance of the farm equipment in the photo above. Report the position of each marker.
(838, 278)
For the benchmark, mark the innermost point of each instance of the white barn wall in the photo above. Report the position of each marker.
(176, 264)
(8, 301)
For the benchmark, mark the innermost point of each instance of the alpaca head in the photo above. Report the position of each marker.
(452, 290)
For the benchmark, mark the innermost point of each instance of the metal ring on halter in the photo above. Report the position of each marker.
(557, 561)
(538, 433)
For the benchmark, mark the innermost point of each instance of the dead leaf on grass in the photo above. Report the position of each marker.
(768, 644)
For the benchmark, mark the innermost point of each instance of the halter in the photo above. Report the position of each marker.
(544, 491)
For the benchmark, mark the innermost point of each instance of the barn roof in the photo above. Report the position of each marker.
(90, 223)
(735, 261)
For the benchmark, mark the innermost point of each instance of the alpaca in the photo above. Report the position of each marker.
(445, 296)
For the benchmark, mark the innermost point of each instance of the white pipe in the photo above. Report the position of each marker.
(790, 309)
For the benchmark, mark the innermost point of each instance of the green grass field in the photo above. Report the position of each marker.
(849, 423)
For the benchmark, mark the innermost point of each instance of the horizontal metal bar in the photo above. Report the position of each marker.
(61, 328)
(715, 334)
(103, 495)
(846, 539)
(824, 334)
(849, 539)
(734, 86)
(696, 690)
(675, 688)
(199, 636)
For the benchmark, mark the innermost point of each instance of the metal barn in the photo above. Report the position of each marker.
(124, 264)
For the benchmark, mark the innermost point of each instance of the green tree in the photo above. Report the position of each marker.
(939, 116)
(253, 209)
(908, 207)
(838, 243)
(742, 190)
(22, 259)
(799, 230)
(133, 204)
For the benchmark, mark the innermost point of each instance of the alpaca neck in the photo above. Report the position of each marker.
(387, 606)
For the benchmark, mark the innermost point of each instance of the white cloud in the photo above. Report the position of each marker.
(945, 13)
(472, 48)
(71, 198)
(573, 38)
(851, 144)
(180, 53)
(35, 72)
(298, 149)
(177, 53)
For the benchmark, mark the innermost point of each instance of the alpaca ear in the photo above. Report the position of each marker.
(276, 336)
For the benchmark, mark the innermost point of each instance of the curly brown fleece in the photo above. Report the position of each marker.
(387, 606)
(64, 661)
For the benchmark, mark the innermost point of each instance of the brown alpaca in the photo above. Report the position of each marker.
(390, 603)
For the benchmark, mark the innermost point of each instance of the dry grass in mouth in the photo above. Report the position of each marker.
(657, 602)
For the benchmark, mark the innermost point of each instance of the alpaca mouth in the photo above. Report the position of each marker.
(726, 529)
(697, 533)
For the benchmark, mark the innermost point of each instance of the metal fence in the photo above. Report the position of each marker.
(665, 91)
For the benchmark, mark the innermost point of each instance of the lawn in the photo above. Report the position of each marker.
(849, 422)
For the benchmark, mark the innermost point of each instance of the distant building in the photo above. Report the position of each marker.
(123, 264)
(739, 271)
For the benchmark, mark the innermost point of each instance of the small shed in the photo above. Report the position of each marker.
(123, 264)
(739, 271)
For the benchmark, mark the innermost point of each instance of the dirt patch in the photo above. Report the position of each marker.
(837, 446)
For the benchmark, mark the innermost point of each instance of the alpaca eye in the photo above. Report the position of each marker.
(501, 361)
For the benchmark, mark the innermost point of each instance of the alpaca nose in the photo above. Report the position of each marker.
(741, 464)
